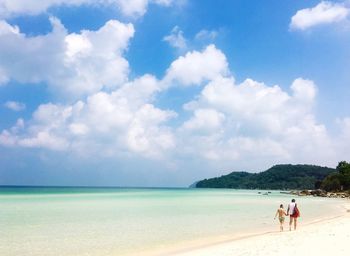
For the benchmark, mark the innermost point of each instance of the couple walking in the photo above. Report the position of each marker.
(292, 212)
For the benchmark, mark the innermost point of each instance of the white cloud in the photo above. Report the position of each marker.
(163, 2)
(346, 126)
(196, 67)
(146, 136)
(206, 35)
(207, 120)
(78, 129)
(44, 139)
(230, 124)
(71, 64)
(77, 45)
(256, 122)
(15, 106)
(97, 62)
(134, 8)
(304, 89)
(248, 100)
(323, 13)
(3, 77)
(32, 7)
(124, 120)
(7, 139)
(6, 28)
(176, 39)
(342, 139)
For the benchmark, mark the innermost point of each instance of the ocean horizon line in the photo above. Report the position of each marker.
(88, 186)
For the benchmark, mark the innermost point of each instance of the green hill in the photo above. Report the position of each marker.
(284, 176)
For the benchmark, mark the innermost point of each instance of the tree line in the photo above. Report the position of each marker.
(338, 180)
(285, 177)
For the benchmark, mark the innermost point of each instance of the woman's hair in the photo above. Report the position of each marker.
(281, 206)
(293, 200)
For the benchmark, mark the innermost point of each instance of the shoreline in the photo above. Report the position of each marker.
(225, 243)
(334, 228)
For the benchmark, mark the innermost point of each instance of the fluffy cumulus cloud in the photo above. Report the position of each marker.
(71, 64)
(134, 8)
(196, 67)
(323, 13)
(204, 120)
(124, 120)
(304, 90)
(109, 114)
(229, 122)
(137, 8)
(14, 105)
(251, 120)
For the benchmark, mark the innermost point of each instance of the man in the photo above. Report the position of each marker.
(293, 213)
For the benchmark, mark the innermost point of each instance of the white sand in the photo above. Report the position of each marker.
(328, 237)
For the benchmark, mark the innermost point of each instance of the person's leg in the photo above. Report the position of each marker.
(282, 222)
(281, 225)
(295, 223)
(290, 223)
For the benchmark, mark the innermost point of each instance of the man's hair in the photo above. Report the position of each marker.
(281, 206)
(293, 200)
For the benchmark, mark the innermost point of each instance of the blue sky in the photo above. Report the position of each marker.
(163, 93)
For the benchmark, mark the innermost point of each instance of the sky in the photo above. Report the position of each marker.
(165, 93)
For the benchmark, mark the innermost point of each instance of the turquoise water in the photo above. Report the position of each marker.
(117, 221)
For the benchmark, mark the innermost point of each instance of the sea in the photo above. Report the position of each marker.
(47, 221)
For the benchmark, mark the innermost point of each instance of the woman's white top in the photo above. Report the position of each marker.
(291, 208)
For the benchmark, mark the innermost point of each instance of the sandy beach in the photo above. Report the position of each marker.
(326, 237)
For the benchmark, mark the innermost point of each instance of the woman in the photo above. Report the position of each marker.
(281, 216)
(293, 213)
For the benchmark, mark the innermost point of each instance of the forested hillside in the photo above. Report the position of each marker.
(277, 177)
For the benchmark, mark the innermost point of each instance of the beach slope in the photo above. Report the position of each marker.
(327, 237)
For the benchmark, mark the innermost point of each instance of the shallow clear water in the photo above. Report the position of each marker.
(117, 221)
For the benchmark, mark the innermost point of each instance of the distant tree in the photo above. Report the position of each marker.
(318, 184)
(343, 167)
(331, 182)
(344, 170)
(338, 181)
